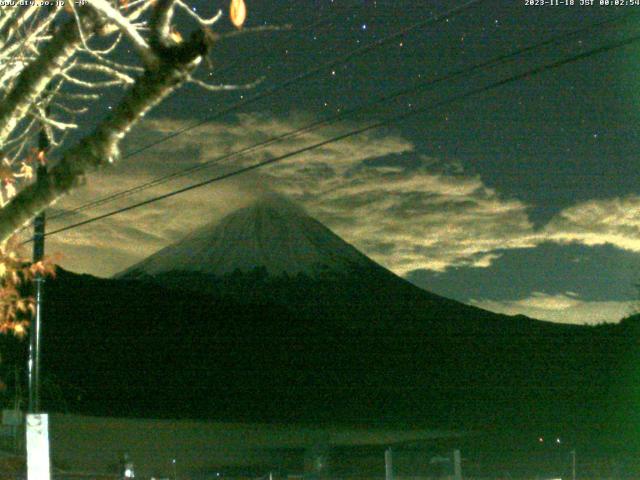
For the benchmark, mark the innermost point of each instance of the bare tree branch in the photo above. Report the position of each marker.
(205, 22)
(48, 121)
(161, 24)
(102, 146)
(36, 76)
(220, 88)
(12, 22)
(105, 70)
(33, 36)
(127, 28)
(45, 74)
(93, 85)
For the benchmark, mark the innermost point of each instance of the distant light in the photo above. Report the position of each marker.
(558, 440)
(128, 473)
(541, 440)
(364, 26)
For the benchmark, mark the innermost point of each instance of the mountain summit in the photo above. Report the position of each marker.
(272, 234)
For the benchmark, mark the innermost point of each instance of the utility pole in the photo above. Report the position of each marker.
(44, 144)
(388, 464)
(37, 423)
(457, 465)
(38, 254)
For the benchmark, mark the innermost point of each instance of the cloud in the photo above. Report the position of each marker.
(405, 210)
(565, 307)
(110, 245)
(613, 221)
(421, 214)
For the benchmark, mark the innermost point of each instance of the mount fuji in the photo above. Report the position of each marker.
(272, 251)
(267, 315)
(272, 234)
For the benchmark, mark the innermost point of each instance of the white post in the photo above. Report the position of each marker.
(38, 463)
(388, 464)
(457, 465)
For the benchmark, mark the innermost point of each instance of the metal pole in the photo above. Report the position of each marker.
(388, 464)
(457, 465)
(38, 254)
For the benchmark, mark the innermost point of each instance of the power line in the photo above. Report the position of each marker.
(376, 125)
(361, 130)
(331, 63)
(460, 73)
(224, 69)
(276, 88)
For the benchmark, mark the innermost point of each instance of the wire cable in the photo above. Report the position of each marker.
(460, 73)
(383, 123)
(434, 19)
(303, 76)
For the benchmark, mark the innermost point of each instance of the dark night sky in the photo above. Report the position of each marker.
(520, 199)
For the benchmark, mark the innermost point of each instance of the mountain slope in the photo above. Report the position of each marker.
(314, 331)
(271, 251)
(131, 348)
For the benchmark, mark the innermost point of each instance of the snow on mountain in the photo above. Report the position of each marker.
(272, 233)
